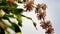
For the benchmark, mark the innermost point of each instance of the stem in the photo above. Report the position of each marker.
(31, 20)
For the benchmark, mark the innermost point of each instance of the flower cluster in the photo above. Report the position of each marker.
(11, 1)
(40, 10)
(29, 5)
(47, 26)
(50, 30)
(41, 13)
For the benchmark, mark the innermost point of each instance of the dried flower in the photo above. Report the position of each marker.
(41, 15)
(44, 6)
(11, 1)
(43, 25)
(29, 5)
(50, 30)
(46, 24)
(38, 8)
(49, 24)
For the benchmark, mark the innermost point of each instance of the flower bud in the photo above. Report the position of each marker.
(44, 6)
(11, 1)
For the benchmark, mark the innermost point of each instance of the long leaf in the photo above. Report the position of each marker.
(30, 19)
(19, 18)
(10, 26)
(16, 27)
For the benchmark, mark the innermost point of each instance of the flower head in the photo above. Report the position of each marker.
(41, 15)
(29, 5)
(38, 8)
(43, 25)
(11, 1)
(49, 24)
(46, 24)
(50, 30)
(44, 6)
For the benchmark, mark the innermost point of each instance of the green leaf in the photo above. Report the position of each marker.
(19, 18)
(3, 3)
(30, 19)
(17, 29)
(8, 16)
(17, 11)
(15, 26)
(35, 25)
(8, 8)
(26, 17)
(2, 13)
(10, 26)
(18, 33)
(8, 11)
(6, 32)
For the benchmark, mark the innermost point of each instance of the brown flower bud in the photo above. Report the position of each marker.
(11, 1)
(43, 25)
(50, 30)
(49, 24)
(42, 15)
(29, 5)
(38, 8)
(44, 6)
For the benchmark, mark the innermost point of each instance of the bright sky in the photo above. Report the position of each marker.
(52, 14)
